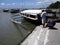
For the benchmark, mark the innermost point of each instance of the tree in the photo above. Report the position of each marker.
(54, 5)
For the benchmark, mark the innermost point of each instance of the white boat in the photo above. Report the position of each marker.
(31, 14)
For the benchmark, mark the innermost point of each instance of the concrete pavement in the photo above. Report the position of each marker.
(43, 36)
(54, 36)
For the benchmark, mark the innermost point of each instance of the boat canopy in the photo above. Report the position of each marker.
(31, 12)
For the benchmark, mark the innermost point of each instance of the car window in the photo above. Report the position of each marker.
(49, 14)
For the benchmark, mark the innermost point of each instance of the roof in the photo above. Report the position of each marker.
(33, 12)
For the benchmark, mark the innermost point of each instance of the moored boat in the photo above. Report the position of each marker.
(31, 14)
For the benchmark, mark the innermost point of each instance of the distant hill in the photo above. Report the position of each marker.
(55, 5)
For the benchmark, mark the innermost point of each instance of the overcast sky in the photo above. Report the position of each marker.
(25, 3)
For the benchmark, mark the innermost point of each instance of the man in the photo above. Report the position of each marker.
(43, 15)
(52, 20)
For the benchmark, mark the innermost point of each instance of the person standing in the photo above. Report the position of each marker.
(43, 16)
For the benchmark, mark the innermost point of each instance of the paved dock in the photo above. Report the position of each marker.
(43, 36)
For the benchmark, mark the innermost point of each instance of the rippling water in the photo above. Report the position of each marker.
(12, 33)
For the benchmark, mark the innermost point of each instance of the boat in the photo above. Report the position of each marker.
(14, 10)
(5, 10)
(31, 14)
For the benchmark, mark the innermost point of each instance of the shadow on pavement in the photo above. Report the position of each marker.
(53, 28)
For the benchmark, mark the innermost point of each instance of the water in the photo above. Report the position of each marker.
(12, 33)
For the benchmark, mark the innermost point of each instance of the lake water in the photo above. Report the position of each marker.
(12, 33)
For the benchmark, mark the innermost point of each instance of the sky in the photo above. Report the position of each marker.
(26, 3)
